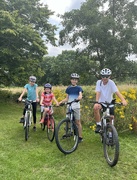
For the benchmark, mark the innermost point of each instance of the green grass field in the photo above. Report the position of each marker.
(41, 160)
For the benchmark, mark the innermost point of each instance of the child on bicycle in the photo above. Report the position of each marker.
(46, 101)
(105, 88)
(75, 92)
(32, 94)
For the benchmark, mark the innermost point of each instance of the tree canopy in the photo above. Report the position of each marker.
(24, 32)
(107, 30)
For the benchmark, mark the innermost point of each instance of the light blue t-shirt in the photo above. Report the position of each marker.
(31, 95)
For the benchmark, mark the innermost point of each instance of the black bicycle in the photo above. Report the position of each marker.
(66, 134)
(109, 135)
(28, 117)
(50, 123)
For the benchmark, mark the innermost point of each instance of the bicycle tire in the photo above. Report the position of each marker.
(27, 128)
(66, 138)
(111, 145)
(51, 129)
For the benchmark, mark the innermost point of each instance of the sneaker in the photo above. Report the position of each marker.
(97, 130)
(41, 121)
(21, 120)
(34, 128)
(80, 139)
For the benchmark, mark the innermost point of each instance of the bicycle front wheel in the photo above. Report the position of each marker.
(111, 145)
(66, 136)
(51, 129)
(27, 128)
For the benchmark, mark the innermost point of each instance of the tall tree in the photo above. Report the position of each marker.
(24, 33)
(107, 30)
(58, 69)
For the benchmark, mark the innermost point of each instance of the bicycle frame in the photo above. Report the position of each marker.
(70, 115)
(109, 136)
(28, 107)
(50, 123)
(106, 116)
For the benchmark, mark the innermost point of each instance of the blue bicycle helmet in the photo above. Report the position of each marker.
(48, 86)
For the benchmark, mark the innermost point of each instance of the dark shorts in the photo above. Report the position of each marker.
(111, 110)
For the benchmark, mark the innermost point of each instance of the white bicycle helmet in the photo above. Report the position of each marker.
(106, 72)
(74, 75)
(32, 78)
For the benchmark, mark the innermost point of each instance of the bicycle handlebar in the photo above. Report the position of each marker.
(26, 100)
(106, 103)
(69, 103)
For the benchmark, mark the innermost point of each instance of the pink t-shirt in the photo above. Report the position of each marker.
(47, 101)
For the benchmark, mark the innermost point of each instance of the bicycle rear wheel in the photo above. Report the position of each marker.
(27, 128)
(66, 136)
(111, 145)
(51, 129)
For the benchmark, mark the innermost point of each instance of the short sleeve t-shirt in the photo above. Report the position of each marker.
(106, 91)
(73, 93)
(47, 98)
(31, 91)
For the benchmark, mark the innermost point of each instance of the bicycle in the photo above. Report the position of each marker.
(66, 134)
(50, 123)
(109, 135)
(28, 117)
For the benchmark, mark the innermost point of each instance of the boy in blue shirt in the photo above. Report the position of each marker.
(32, 94)
(75, 92)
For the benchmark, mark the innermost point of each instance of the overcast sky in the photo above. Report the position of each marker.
(60, 7)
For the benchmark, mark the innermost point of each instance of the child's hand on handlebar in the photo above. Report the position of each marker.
(124, 102)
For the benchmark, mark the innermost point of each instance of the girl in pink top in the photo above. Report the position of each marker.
(46, 101)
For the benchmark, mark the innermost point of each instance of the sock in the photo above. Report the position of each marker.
(99, 123)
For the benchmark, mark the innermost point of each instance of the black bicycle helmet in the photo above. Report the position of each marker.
(32, 78)
(106, 72)
(74, 75)
(48, 86)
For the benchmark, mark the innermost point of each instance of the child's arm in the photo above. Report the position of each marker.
(55, 100)
(80, 96)
(121, 97)
(22, 94)
(41, 101)
(37, 96)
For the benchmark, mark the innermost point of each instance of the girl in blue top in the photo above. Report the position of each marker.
(32, 94)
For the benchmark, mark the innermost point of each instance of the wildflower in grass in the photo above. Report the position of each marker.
(122, 116)
(90, 97)
(93, 127)
(130, 126)
(132, 96)
(124, 93)
(86, 107)
(134, 119)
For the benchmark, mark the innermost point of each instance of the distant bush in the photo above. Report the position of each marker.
(6, 95)
(125, 117)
